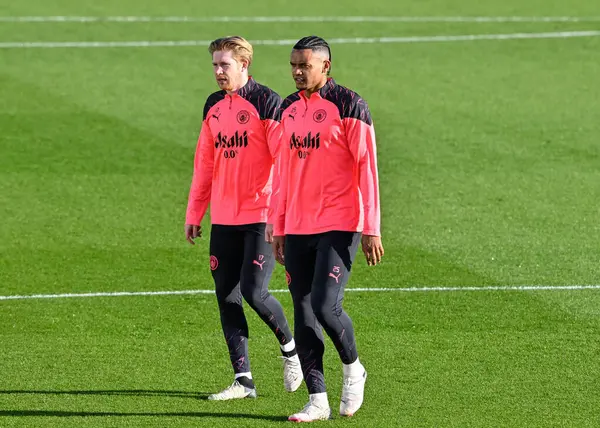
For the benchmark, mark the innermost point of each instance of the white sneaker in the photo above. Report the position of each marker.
(236, 390)
(353, 393)
(292, 373)
(313, 411)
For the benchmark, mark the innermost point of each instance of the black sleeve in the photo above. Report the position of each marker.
(350, 104)
(290, 99)
(211, 101)
(266, 102)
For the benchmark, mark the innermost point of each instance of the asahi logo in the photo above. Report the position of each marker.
(304, 144)
(307, 142)
(235, 141)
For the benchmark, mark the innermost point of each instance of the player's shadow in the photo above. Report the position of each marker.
(126, 392)
(133, 392)
(67, 414)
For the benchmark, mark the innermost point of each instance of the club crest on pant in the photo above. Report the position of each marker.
(214, 263)
(288, 278)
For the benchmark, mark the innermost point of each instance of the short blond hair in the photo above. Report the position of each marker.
(240, 47)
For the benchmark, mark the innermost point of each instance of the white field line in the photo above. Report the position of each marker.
(362, 290)
(273, 19)
(285, 42)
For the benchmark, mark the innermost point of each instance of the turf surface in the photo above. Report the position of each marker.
(489, 176)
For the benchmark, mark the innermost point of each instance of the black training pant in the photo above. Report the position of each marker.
(318, 268)
(242, 263)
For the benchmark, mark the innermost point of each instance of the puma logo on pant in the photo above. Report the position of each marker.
(337, 278)
(259, 264)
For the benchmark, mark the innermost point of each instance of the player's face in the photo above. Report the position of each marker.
(228, 71)
(309, 69)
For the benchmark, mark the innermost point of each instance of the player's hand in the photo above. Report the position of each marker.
(192, 232)
(278, 248)
(269, 233)
(373, 249)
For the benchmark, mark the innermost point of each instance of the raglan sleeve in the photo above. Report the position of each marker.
(200, 189)
(282, 169)
(360, 134)
(273, 132)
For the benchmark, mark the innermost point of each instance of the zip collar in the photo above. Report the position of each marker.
(247, 89)
(329, 85)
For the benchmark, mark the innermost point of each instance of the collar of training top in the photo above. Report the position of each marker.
(247, 88)
(329, 85)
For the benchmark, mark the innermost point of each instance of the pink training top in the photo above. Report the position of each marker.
(328, 164)
(233, 165)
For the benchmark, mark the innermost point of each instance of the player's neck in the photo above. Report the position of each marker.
(243, 81)
(309, 91)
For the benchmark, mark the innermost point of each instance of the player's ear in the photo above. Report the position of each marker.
(326, 66)
(244, 63)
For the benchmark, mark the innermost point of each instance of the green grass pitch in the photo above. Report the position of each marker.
(489, 157)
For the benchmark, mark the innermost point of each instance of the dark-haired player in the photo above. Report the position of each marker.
(233, 171)
(329, 196)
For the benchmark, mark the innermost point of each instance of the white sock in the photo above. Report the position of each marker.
(354, 369)
(248, 375)
(288, 347)
(319, 399)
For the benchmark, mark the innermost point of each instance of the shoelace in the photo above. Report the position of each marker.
(229, 389)
(307, 408)
(348, 383)
(291, 375)
(291, 359)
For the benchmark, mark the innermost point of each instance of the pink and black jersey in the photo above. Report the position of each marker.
(328, 167)
(233, 165)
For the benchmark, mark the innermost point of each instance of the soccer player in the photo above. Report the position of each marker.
(233, 171)
(329, 195)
